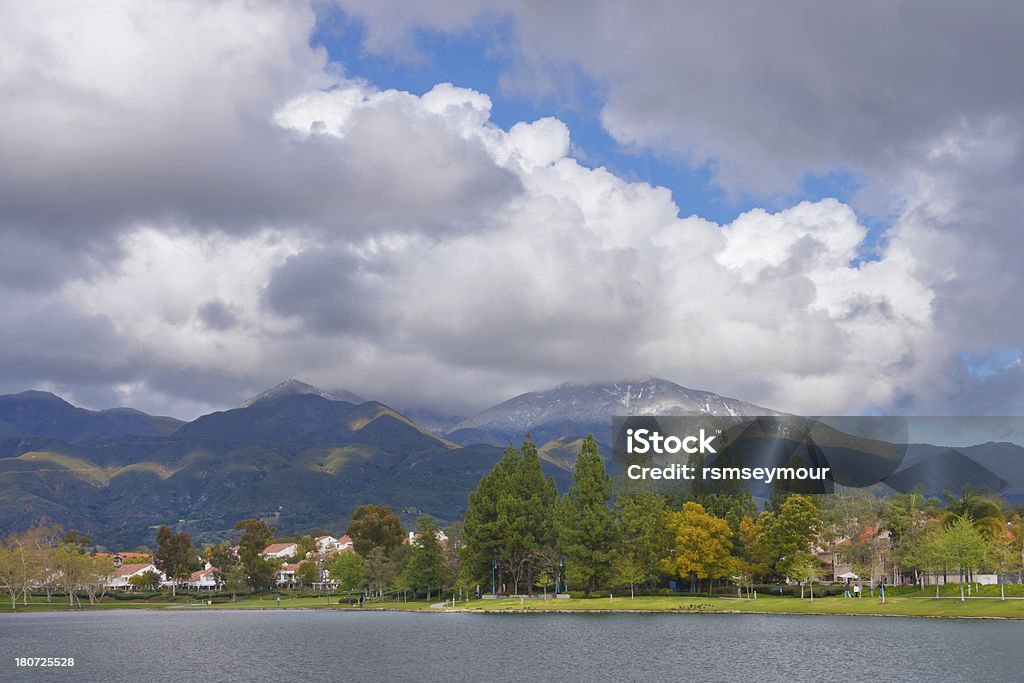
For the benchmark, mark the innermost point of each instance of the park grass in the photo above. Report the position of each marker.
(910, 606)
(893, 606)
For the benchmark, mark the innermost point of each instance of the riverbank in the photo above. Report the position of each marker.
(914, 606)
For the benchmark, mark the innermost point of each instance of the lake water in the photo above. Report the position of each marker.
(325, 645)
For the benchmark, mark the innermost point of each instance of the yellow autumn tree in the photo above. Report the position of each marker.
(700, 545)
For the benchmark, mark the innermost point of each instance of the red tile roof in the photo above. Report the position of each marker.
(276, 547)
(129, 569)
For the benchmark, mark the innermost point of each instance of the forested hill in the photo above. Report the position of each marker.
(301, 460)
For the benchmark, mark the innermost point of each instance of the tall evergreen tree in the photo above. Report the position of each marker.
(644, 540)
(509, 517)
(586, 522)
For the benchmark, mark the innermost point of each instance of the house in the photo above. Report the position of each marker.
(329, 545)
(325, 544)
(286, 574)
(205, 578)
(280, 550)
(442, 538)
(121, 578)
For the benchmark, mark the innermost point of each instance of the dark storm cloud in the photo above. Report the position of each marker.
(331, 292)
(216, 315)
(55, 341)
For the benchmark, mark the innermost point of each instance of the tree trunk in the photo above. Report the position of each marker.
(962, 599)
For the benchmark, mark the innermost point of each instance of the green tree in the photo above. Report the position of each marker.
(78, 572)
(10, 573)
(700, 545)
(906, 517)
(790, 531)
(1016, 529)
(375, 526)
(585, 522)
(308, 573)
(380, 570)
(643, 538)
(804, 568)
(305, 546)
(453, 551)
(256, 536)
(929, 552)
(236, 580)
(149, 580)
(174, 555)
(222, 558)
(965, 547)
(426, 568)
(510, 517)
(983, 513)
(347, 570)
(22, 564)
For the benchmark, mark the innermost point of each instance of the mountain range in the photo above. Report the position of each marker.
(295, 454)
(303, 458)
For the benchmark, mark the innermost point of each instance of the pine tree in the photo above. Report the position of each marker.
(643, 537)
(586, 522)
(510, 517)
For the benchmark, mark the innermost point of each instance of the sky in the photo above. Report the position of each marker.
(442, 204)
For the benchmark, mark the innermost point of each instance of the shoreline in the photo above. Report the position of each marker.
(498, 611)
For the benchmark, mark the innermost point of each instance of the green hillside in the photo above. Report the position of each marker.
(302, 462)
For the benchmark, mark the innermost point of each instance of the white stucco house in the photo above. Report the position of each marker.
(280, 550)
(121, 578)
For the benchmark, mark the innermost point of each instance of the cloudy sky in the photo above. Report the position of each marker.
(811, 206)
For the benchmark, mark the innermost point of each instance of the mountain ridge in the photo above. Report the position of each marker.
(35, 413)
(579, 409)
(293, 387)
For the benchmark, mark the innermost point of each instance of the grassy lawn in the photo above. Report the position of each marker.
(903, 605)
(38, 604)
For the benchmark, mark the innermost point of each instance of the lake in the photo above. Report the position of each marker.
(316, 645)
